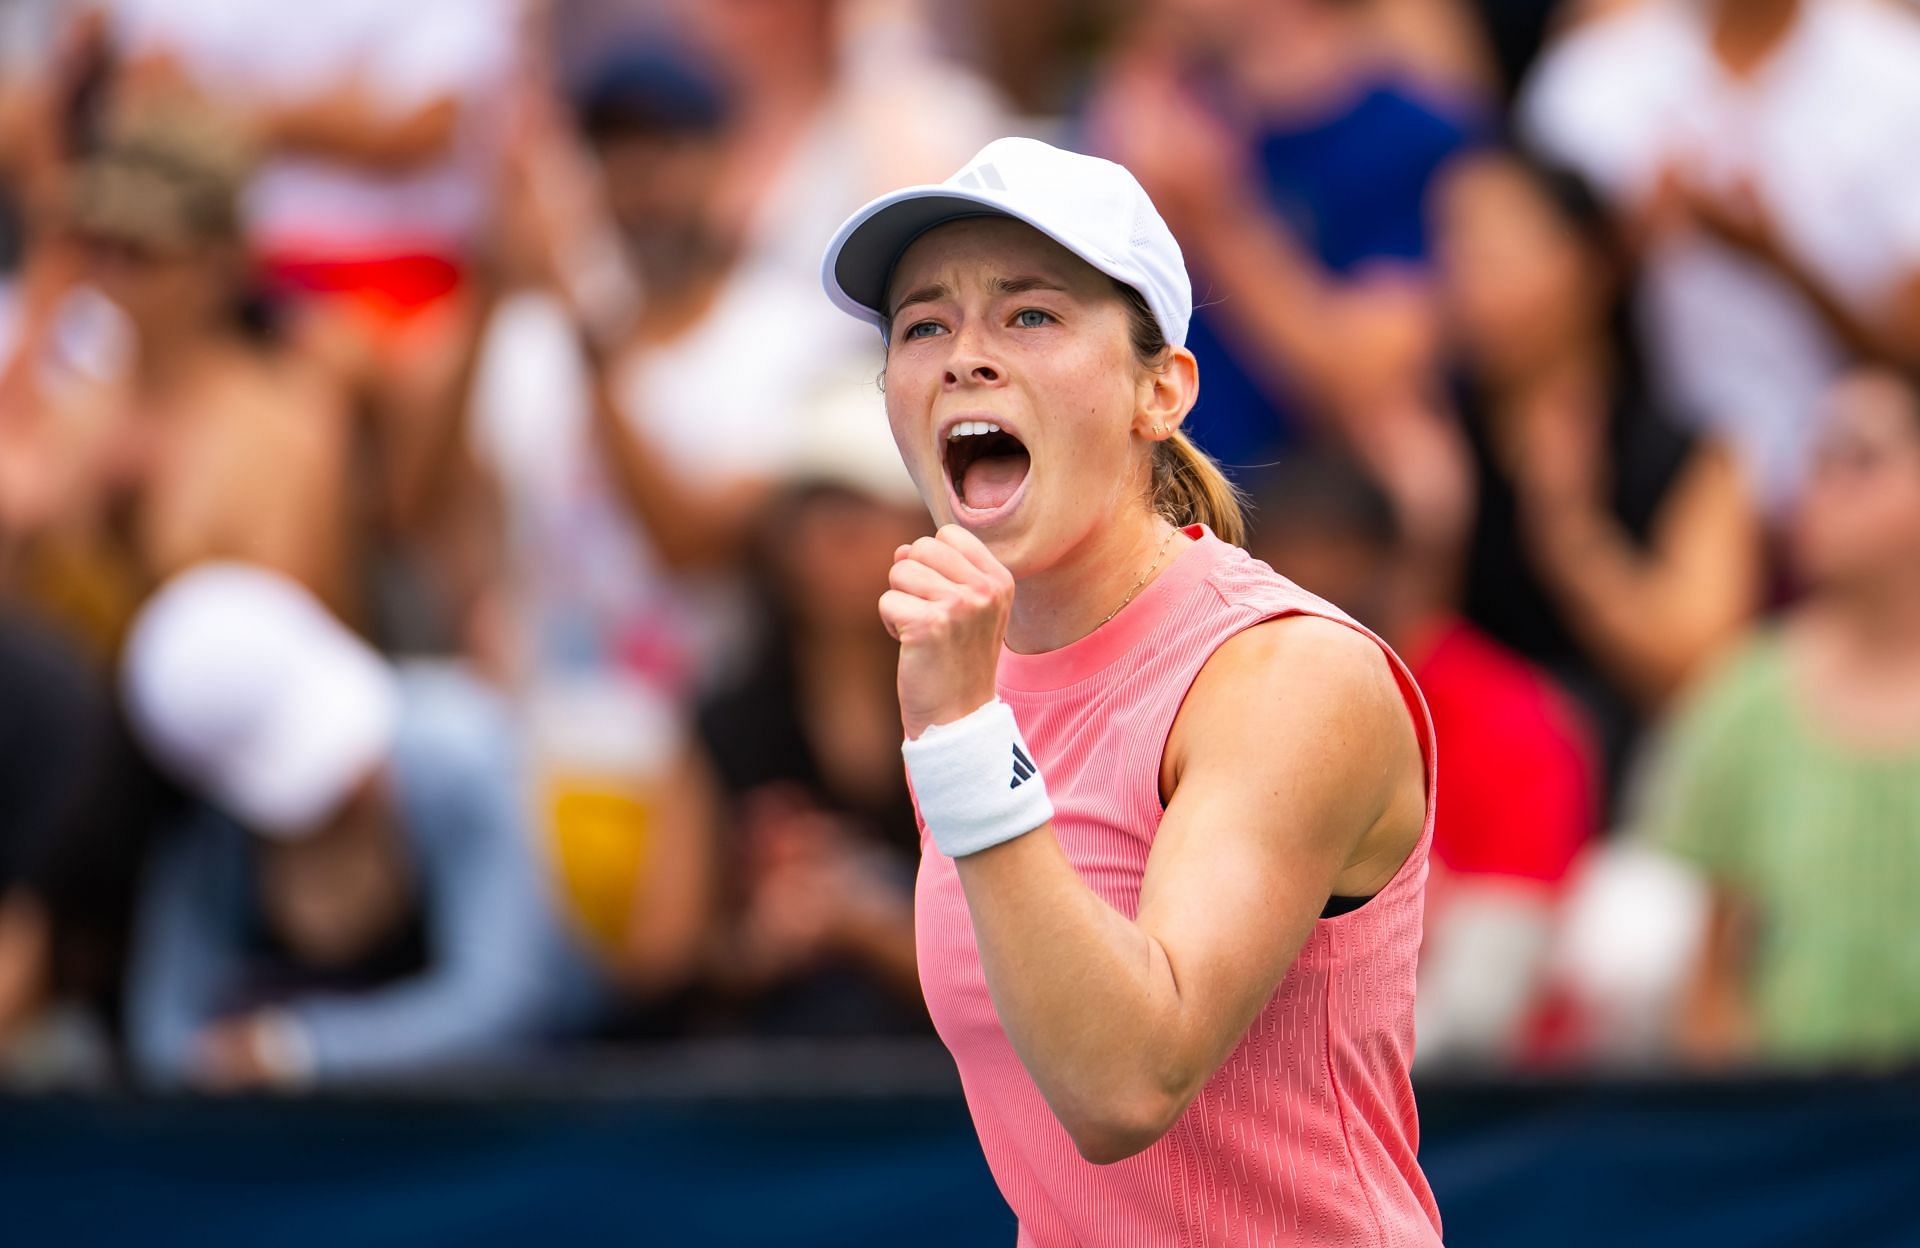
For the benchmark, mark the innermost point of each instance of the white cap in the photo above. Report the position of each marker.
(840, 443)
(242, 684)
(1092, 207)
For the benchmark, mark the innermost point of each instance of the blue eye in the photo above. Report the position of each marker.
(1020, 318)
(913, 330)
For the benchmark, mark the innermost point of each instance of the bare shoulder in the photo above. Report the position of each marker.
(1304, 703)
(1278, 669)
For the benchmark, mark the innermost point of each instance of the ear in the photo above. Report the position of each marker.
(1165, 395)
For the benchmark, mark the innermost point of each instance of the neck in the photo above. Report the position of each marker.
(1747, 32)
(1064, 603)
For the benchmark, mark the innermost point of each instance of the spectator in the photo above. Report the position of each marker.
(212, 440)
(373, 117)
(1792, 778)
(823, 847)
(377, 126)
(836, 101)
(1761, 148)
(148, 424)
(635, 441)
(1608, 545)
(1520, 795)
(360, 898)
(1291, 153)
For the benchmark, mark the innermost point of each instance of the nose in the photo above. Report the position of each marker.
(969, 364)
(981, 373)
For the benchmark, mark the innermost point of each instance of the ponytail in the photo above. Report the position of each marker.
(1188, 487)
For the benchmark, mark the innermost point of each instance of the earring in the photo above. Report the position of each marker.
(1159, 430)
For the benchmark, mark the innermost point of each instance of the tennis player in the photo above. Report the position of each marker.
(1175, 809)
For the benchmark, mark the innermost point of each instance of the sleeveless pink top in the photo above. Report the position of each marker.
(1308, 1133)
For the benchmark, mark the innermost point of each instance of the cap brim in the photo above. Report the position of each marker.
(860, 260)
(327, 737)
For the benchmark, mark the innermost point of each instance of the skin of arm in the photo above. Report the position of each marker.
(1715, 1023)
(673, 904)
(1276, 299)
(25, 944)
(1889, 333)
(1292, 772)
(551, 208)
(1652, 617)
(690, 526)
(346, 124)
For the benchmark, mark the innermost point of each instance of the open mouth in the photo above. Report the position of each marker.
(985, 463)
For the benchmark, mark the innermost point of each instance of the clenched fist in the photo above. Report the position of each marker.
(948, 610)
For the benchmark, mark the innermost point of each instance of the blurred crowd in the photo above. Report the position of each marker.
(441, 519)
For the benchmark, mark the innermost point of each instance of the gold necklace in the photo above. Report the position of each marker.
(1164, 542)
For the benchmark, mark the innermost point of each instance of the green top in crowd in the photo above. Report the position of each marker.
(1822, 839)
(1793, 774)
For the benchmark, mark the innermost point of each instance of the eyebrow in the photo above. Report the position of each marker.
(933, 292)
(1021, 285)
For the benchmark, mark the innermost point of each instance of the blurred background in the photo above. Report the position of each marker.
(449, 776)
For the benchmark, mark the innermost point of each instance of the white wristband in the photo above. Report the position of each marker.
(976, 782)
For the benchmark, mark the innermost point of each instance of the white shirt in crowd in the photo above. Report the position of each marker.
(1826, 131)
(727, 402)
(404, 54)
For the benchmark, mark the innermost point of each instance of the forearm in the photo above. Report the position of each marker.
(25, 957)
(689, 527)
(1644, 624)
(1088, 999)
(1714, 1024)
(673, 906)
(1270, 292)
(429, 419)
(345, 126)
(1891, 338)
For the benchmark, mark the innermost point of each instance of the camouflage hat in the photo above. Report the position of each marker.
(169, 181)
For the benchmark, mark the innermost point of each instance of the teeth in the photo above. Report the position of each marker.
(971, 429)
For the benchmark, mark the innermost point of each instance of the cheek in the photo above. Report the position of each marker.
(907, 420)
(1095, 410)
(1846, 521)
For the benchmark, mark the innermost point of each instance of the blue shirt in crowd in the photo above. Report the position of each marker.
(495, 970)
(1352, 186)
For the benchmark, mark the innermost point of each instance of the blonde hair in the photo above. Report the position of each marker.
(1188, 487)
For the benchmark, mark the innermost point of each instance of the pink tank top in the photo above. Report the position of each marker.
(1308, 1133)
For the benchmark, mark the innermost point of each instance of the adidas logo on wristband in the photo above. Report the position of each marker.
(1022, 767)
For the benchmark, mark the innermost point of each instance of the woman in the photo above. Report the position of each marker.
(1180, 992)
(1792, 780)
(1609, 545)
(822, 844)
